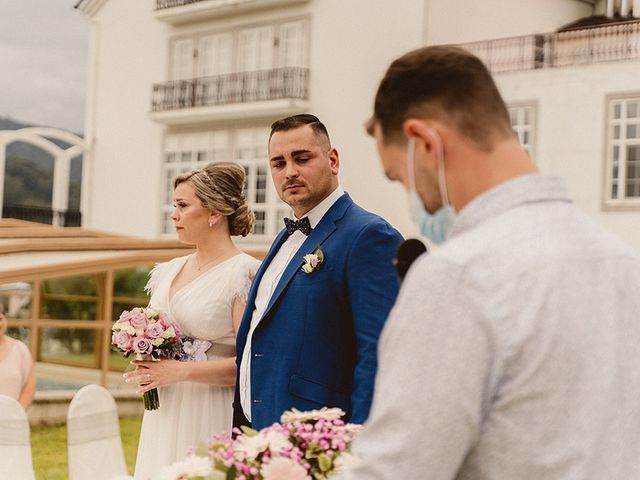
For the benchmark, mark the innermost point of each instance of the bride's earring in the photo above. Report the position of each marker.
(211, 223)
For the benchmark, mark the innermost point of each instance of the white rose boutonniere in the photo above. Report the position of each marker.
(312, 261)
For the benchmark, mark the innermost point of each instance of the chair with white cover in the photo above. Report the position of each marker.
(15, 445)
(93, 436)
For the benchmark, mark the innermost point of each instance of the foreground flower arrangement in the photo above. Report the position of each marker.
(304, 446)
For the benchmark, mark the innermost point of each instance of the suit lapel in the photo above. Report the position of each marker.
(319, 234)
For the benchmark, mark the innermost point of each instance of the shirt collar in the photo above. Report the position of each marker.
(534, 188)
(317, 212)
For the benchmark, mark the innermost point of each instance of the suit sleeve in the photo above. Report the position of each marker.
(373, 286)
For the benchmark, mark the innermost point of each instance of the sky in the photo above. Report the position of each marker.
(44, 47)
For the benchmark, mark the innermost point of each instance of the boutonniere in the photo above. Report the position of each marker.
(312, 261)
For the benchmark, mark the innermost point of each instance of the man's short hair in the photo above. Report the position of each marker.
(445, 83)
(296, 121)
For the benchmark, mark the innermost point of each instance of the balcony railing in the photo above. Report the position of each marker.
(279, 83)
(66, 218)
(160, 4)
(577, 47)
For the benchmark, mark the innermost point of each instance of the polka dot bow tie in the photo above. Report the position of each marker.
(303, 225)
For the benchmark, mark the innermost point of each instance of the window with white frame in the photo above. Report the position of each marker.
(523, 124)
(623, 151)
(246, 146)
(243, 49)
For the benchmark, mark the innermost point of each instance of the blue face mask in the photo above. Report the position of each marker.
(434, 226)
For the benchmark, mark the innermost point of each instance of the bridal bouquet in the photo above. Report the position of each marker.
(310, 445)
(149, 334)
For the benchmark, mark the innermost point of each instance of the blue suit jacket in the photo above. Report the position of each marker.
(316, 344)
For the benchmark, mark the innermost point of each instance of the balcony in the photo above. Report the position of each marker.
(619, 42)
(176, 12)
(279, 91)
(67, 218)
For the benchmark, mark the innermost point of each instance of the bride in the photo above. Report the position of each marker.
(205, 294)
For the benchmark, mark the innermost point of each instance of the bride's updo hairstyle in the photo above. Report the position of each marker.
(219, 186)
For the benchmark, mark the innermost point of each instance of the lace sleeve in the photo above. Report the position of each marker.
(154, 278)
(243, 278)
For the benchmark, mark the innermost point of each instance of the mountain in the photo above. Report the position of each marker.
(29, 172)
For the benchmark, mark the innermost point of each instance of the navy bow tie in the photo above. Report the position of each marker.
(303, 225)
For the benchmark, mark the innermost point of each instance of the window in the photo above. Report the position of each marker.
(246, 49)
(523, 124)
(623, 152)
(248, 147)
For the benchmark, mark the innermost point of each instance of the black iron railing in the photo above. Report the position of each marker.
(66, 218)
(278, 83)
(576, 47)
(161, 4)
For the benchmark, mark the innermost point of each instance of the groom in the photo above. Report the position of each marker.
(309, 334)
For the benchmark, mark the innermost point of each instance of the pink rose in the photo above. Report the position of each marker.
(281, 468)
(122, 340)
(138, 320)
(154, 330)
(125, 316)
(142, 345)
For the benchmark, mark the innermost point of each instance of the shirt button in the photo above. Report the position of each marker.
(258, 355)
(255, 400)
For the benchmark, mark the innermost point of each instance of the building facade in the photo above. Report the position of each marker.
(174, 84)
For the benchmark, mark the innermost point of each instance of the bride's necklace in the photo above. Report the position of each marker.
(199, 266)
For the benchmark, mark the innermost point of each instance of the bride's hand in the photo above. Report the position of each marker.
(149, 375)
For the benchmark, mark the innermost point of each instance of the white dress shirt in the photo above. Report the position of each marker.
(268, 285)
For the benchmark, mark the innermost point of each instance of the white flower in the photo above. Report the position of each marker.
(189, 467)
(157, 341)
(169, 333)
(130, 330)
(250, 447)
(311, 262)
(325, 413)
(282, 468)
(278, 441)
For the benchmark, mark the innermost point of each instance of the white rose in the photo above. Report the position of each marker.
(169, 333)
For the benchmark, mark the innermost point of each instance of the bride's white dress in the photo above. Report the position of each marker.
(191, 412)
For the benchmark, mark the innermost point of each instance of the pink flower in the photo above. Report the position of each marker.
(122, 340)
(142, 345)
(154, 330)
(281, 468)
(125, 316)
(138, 320)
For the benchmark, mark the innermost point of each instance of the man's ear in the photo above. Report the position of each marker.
(334, 160)
(428, 140)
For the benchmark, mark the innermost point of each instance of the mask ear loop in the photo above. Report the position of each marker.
(411, 174)
(440, 159)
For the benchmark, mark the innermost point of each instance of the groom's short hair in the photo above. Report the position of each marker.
(297, 121)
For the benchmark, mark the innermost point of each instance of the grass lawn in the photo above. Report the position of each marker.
(49, 448)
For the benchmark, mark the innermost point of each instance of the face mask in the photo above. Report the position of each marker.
(434, 226)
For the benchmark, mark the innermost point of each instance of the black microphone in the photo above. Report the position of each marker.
(406, 254)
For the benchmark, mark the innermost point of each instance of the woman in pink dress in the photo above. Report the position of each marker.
(17, 376)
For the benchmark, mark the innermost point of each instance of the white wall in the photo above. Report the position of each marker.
(462, 21)
(571, 115)
(352, 44)
(130, 49)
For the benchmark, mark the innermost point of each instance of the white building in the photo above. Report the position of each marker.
(174, 84)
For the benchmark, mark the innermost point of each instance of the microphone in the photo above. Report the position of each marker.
(406, 254)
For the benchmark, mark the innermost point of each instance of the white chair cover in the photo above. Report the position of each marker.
(15, 445)
(93, 436)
